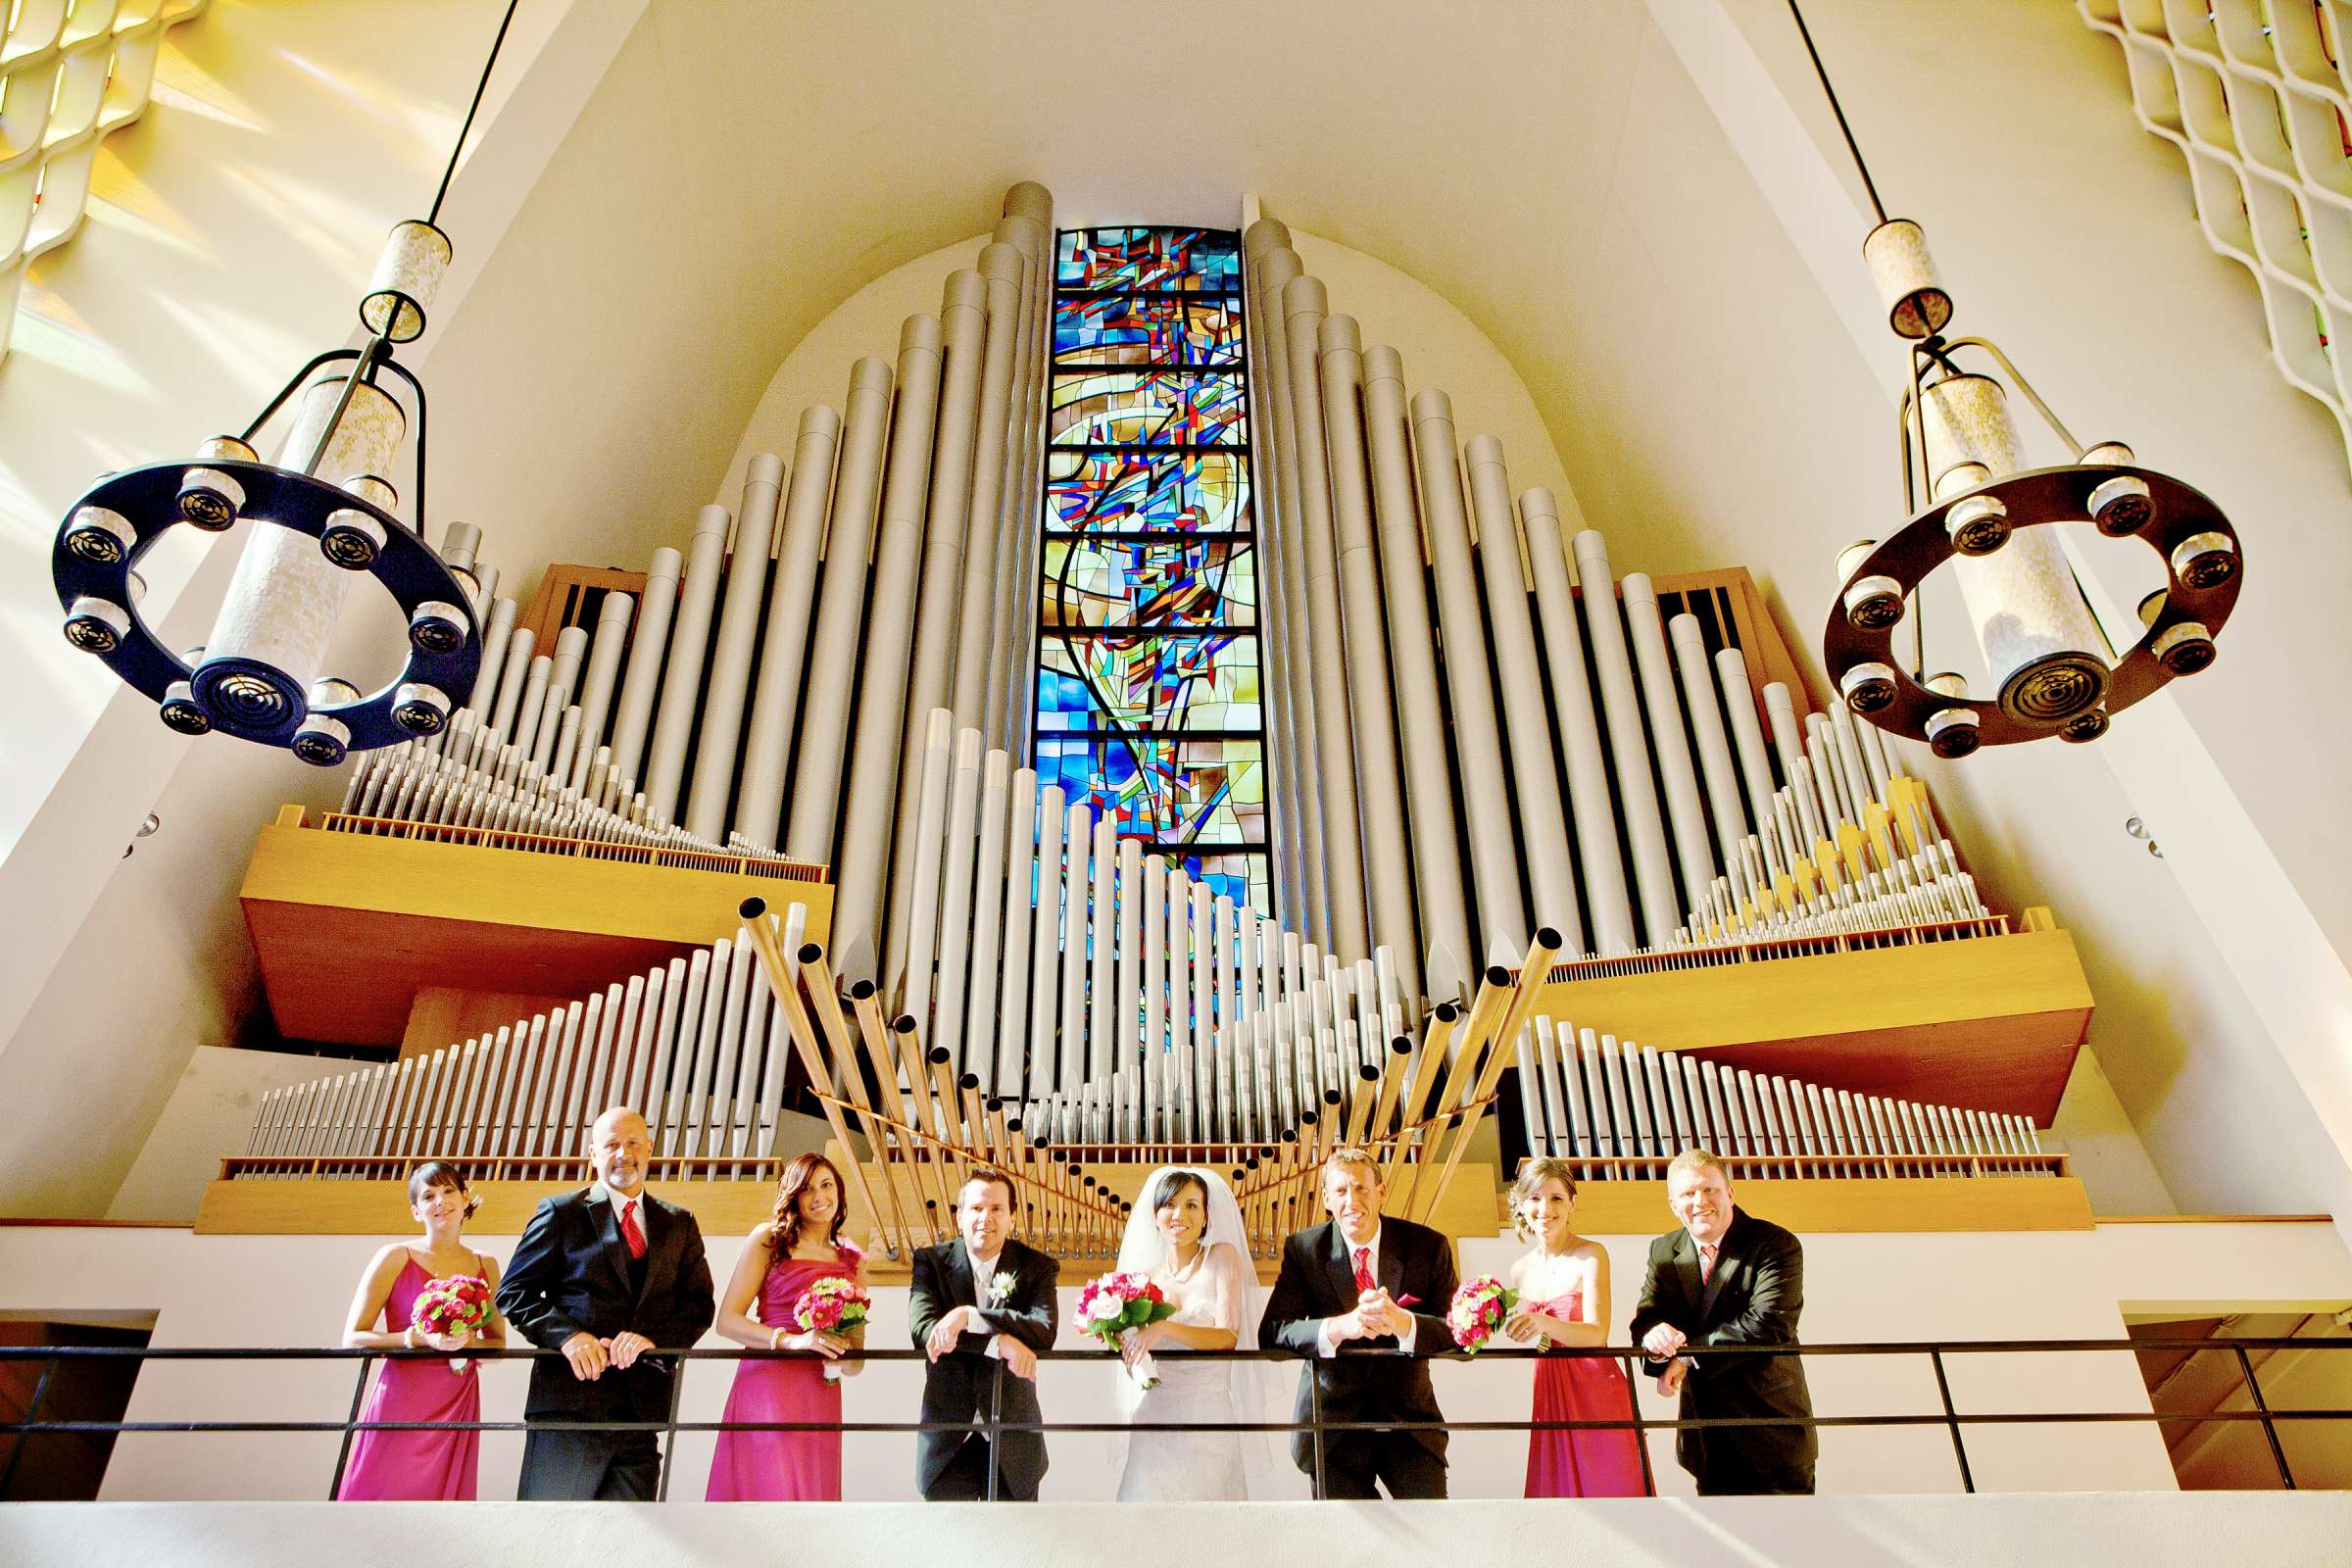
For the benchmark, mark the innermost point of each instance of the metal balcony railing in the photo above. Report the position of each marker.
(1952, 1419)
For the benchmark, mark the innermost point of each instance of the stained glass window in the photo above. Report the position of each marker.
(1149, 707)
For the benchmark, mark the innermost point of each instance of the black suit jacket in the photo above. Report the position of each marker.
(1318, 1281)
(956, 1386)
(570, 1273)
(1752, 1297)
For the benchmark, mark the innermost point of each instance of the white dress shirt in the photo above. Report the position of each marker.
(1325, 1344)
(621, 1203)
(984, 1274)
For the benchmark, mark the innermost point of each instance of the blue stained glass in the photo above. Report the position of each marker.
(1149, 259)
(1190, 492)
(1147, 704)
(1149, 409)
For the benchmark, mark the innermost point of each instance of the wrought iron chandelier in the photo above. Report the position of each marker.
(325, 513)
(2052, 669)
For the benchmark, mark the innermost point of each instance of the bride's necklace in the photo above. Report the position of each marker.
(1180, 1272)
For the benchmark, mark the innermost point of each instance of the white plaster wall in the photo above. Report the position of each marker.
(2129, 1531)
(215, 1290)
(210, 1114)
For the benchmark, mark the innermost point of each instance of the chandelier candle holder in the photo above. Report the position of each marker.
(322, 514)
(2050, 666)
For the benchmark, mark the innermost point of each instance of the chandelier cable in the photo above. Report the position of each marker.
(481, 86)
(1822, 73)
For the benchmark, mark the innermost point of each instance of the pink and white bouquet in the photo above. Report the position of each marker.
(1478, 1309)
(456, 1303)
(1109, 1306)
(833, 1305)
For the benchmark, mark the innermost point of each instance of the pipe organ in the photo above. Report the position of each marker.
(1489, 753)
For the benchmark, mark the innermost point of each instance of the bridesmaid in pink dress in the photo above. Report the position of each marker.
(780, 1260)
(419, 1466)
(1563, 1288)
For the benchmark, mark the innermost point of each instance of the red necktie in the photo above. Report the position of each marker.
(1707, 1260)
(1363, 1268)
(630, 1232)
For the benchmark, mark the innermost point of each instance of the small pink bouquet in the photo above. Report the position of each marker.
(834, 1305)
(1109, 1306)
(456, 1303)
(1480, 1307)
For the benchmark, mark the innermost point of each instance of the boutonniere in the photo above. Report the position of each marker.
(1000, 1289)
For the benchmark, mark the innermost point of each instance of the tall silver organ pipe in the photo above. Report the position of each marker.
(1001, 266)
(1611, 914)
(1629, 747)
(964, 323)
(1285, 828)
(783, 652)
(682, 675)
(1304, 301)
(1670, 737)
(840, 605)
(1387, 874)
(1284, 527)
(1551, 872)
(1477, 736)
(642, 678)
(1413, 655)
(715, 744)
(876, 752)
(603, 669)
(495, 637)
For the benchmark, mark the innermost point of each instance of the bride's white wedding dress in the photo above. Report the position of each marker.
(1164, 1466)
(1185, 1466)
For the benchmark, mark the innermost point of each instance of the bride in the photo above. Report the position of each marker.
(1186, 1237)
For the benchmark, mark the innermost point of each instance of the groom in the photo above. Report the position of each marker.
(604, 1275)
(1356, 1282)
(975, 1303)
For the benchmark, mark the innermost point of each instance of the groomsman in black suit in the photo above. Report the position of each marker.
(1727, 1278)
(1382, 1284)
(604, 1274)
(975, 1303)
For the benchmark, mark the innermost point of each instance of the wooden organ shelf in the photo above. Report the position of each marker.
(419, 936)
(1993, 1018)
(728, 1197)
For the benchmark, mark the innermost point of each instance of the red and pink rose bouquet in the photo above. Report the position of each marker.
(834, 1305)
(456, 1303)
(1478, 1309)
(1108, 1307)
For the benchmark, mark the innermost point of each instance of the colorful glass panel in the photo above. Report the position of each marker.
(1146, 330)
(1169, 790)
(1138, 260)
(1147, 680)
(1120, 492)
(1094, 580)
(1148, 701)
(1148, 409)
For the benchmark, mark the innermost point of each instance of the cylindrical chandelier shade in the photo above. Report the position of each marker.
(408, 275)
(269, 643)
(2042, 649)
(1896, 253)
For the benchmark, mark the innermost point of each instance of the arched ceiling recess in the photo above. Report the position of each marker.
(1440, 346)
(743, 167)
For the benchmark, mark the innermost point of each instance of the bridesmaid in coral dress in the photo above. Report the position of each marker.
(1563, 1288)
(420, 1466)
(780, 1260)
